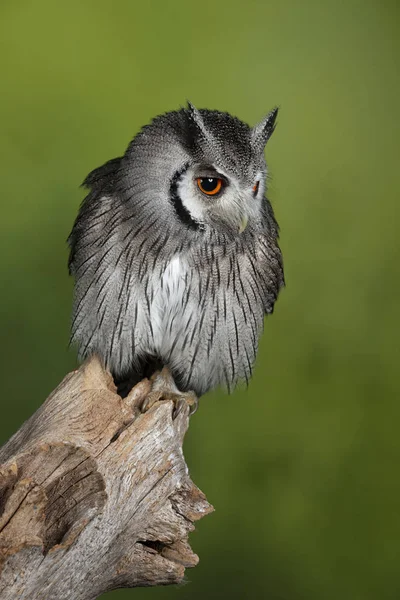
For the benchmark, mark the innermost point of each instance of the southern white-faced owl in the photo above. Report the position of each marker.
(175, 253)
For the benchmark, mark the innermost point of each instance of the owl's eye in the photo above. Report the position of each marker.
(255, 187)
(209, 185)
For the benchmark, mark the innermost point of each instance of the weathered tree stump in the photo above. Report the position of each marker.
(95, 494)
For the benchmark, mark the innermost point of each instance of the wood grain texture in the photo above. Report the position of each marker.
(95, 494)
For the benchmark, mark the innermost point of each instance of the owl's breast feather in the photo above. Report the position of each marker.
(166, 314)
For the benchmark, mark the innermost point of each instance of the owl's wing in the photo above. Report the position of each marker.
(101, 182)
(266, 271)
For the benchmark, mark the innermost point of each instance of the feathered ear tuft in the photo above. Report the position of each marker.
(263, 130)
(196, 123)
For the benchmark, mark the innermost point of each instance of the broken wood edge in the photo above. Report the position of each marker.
(95, 494)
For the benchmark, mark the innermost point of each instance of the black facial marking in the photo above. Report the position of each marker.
(181, 211)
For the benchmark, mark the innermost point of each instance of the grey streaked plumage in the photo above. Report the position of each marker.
(162, 271)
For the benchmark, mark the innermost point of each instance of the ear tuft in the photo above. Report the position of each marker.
(197, 120)
(263, 130)
(192, 110)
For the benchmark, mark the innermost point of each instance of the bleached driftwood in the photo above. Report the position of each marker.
(95, 494)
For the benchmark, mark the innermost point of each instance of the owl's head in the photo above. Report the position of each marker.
(206, 168)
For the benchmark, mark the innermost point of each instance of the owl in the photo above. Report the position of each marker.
(175, 252)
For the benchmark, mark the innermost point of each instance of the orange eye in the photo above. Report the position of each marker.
(209, 185)
(255, 188)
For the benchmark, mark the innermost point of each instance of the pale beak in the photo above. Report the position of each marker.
(243, 225)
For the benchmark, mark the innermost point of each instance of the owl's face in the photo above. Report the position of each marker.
(208, 166)
(224, 184)
(216, 197)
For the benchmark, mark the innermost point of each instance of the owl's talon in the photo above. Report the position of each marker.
(150, 400)
(185, 399)
(179, 405)
(179, 401)
(165, 390)
(145, 405)
(194, 406)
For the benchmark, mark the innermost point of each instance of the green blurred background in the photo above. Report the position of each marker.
(303, 467)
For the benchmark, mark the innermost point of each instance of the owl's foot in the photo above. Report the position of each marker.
(164, 389)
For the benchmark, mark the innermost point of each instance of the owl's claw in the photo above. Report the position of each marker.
(146, 404)
(164, 389)
(178, 407)
(194, 404)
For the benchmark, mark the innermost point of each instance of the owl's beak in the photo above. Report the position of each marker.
(243, 225)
